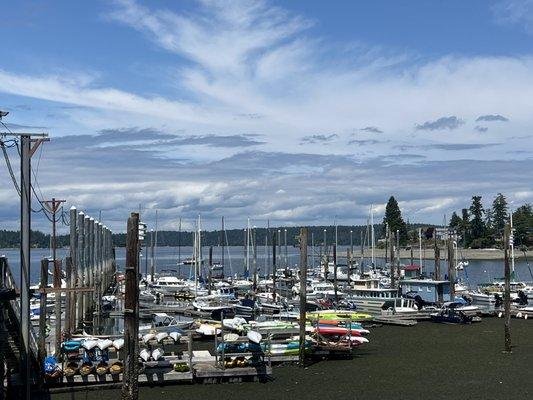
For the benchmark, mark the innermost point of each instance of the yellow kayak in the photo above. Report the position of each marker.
(339, 315)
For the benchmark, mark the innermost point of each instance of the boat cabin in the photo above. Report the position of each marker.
(428, 289)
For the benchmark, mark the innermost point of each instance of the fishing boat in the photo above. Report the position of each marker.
(451, 316)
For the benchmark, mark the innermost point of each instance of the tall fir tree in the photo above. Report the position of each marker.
(393, 216)
(455, 221)
(477, 225)
(465, 226)
(499, 213)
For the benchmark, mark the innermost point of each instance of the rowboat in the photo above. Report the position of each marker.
(158, 353)
(145, 355)
(118, 343)
(104, 343)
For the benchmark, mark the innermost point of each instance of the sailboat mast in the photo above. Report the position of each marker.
(511, 242)
(372, 232)
(155, 245)
(179, 242)
(222, 242)
(420, 247)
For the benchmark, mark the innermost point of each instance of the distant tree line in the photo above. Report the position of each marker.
(482, 227)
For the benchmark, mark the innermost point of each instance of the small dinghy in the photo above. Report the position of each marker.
(231, 337)
(118, 343)
(86, 368)
(101, 368)
(52, 370)
(104, 343)
(116, 368)
(89, 344)
(160, 336)
(254, 337)
(175, 335)
(148, 337)
(71, 368)
(208, 330)
(157, 354)
(145, 355)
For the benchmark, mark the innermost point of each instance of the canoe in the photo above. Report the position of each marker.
(86, 368)
(175, 335)
(158, 353)
(160, 336)
(89, 344)
(254, 337)
(145, 355)
(335, 330)
(71, 368)
(116, 368)
(148, 337)
(101, 368)
(104, 343)
(118, 343)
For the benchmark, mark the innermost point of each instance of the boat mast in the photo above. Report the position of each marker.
(372, 232)
(155, 246)
(179, 242)
(420, 247)
(223, 244)
(511, 242)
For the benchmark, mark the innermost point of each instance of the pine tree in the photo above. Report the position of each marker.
(393, 216)
(500, 213)
(523, 225)
(477, 226)
(455, 221)
(465, 227)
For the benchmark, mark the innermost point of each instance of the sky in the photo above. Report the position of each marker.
(293, 112)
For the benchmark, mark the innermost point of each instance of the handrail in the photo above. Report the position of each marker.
(9, 283)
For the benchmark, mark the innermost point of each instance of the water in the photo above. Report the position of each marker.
(478, 271)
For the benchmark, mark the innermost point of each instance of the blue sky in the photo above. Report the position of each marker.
(291, 111)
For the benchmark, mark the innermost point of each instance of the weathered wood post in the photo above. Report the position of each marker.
(392, 260)
(86, 267)
(303, 292)
(74, 265)
(82, 299)
(42, 310)
(335, 283)
(210, 271)
(68, 298)
(507, 290)
(254, 259)
(57, 305)
(349, 262)
(274, 245)
(451, 268)
(130, 390)
(437, 259)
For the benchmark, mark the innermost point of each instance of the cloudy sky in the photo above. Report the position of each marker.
(295, 112)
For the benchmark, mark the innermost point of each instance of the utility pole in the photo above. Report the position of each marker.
(130, 390)
(29, 143)
(303, 289)
(507, 291)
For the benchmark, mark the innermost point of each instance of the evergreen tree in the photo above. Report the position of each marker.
(500, 213)
(456, 222)
(465, 226)
(477, 226)
(393, 217)
(523, 225)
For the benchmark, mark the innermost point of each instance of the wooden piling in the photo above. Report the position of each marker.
(42, 311)
(335, 283)
(507, 291)
(303, 293)
(392, 260)
(210, 271)
(68, 298)
(274, 244)
(451, 269)
(80, 268)
(437, 260)
(73, 250)
(130, 390)
(57, 306)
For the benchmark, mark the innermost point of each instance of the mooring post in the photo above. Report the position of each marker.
(507, 290)
(303, 292)
(335, 283)
(437, 260)
(57, 305)
(392, 260)
(349, 262)
(68, 297)
(86, 257)
(451, 269)
(210, 272)
(274, 245)
(74, 267)
(42, 311)
(80, 270)
(130, 389)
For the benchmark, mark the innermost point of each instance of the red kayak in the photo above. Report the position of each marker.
(335, 330)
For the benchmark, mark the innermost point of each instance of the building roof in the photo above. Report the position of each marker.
(412, 267)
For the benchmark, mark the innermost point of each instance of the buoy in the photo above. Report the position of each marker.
(525, 316)
(500, 314)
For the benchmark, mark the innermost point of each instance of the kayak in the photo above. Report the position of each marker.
(355, 325)
(118, 343)
(335, 330)
(338, 315)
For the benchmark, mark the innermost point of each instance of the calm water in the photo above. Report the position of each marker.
(166, 258)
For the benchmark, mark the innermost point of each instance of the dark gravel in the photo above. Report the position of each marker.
(428, 361)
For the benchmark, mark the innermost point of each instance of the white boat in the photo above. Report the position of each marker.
(89, 344)
(208, 330)
(254, 337)
(145, 355)
(149, 336)
(162, 322)
(170, 284)
(118, 343)
(175, 335)
(104, 343)
(157, 354)
(160, 336)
